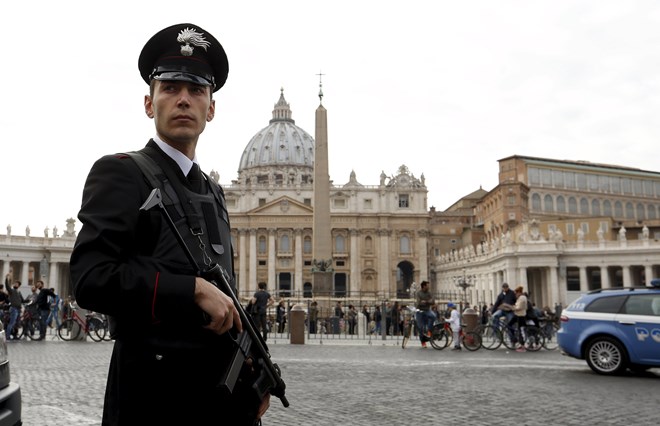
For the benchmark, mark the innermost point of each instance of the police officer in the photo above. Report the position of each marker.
(170, 326)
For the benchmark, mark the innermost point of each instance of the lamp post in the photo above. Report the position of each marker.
(464, 282)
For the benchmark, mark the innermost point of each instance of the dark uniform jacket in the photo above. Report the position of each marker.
(128, 264)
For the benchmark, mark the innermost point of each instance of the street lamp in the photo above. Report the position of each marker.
(464, 282)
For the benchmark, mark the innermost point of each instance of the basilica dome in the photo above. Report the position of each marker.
(278, 146)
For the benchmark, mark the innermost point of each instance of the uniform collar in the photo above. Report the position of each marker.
(179, 158)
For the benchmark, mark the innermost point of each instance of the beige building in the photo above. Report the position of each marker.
(559, 228)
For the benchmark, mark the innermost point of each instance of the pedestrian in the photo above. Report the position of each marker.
(455, 324)
(54, 301)
(280, 316)
(395, 314)
(377, 320)
(313, 316)
(169, 323)
(43, 306)
(262, 301)
(351, 317)
(15, 305)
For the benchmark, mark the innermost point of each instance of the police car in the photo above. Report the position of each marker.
(614, 329)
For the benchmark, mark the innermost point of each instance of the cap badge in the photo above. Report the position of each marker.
(191, 36)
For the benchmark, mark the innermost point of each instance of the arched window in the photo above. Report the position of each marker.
(340, 244)
(618, 209)
(536, 202)
(641, 213)
(595, 207)
(630, 211)
(584, 206)
(572, 205)
(307, 245)
(651, 212)
(548, 204)
(561, 204)
(404, 245)
(262, 245)
(607, 208)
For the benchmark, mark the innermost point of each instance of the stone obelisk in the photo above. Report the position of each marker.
(322, 271)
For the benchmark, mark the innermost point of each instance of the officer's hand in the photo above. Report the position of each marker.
(265, 404)
(218, 306)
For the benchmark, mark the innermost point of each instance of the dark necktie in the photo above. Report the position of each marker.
(195, 178)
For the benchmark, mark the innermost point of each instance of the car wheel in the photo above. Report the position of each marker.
(606, 356)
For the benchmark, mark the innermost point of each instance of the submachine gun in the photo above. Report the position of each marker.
(248, 344)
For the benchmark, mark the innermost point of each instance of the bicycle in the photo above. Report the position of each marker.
(72, 326)
(409, 326)
(442, 336)
(494, 335)
(529, 336)
(549, 330)
(28, 323)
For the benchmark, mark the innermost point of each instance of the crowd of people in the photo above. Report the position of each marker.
(42, 303)
(511, 307)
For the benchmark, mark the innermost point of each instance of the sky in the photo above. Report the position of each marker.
(446, 88)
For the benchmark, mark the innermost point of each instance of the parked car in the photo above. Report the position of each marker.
(614, 329)
(10, 393)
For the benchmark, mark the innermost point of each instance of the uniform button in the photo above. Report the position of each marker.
(159, 357)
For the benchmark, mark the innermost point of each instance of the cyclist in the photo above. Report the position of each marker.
(424, 316)
(520, 311)
(502, 307)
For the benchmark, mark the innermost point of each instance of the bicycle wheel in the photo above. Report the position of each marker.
(510, 337)
(471, 341)
(95, 329)
(439, 339)
(533, 338)
(491, 337)
(69, 330)
(550, 333)
(30, 328)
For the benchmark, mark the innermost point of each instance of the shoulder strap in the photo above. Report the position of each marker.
(164, 179)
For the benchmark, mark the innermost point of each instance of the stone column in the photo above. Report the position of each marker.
(605, 277)
(53, 277)
(557, 295)
(648, 274)
(25, 268)
(298, 262)
(243, 277)
(423, 254)
(253, 259)
(584, 280)
(5, 269)
(384, 263)
(626, 274)
(272, 251)
(354, 281)
(522, 274)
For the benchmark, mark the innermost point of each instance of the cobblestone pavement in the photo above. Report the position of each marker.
(352, 382)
